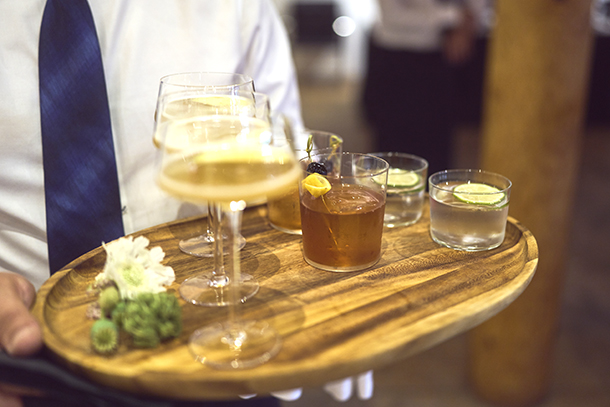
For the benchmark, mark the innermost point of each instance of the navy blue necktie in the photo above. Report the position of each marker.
(83, 205)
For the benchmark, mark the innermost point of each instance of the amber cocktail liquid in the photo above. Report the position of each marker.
(342, 218)
(284, 212)
(342, 229)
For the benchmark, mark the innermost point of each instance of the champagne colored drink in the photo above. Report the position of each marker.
(192, 94)
(342, 213)
(220, 176)
(284, 212)
(230, 170)
(468, 209)
(185, 104)
(407, 178)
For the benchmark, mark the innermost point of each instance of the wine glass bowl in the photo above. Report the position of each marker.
(223, 159)
(191, 94)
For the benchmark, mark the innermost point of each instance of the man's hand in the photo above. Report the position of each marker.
(20, 334)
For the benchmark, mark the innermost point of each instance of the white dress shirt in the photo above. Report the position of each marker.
(419, 25)
(141, 41)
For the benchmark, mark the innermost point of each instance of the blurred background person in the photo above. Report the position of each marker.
(414, 49)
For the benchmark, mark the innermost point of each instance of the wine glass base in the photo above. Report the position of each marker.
(206, 290)
(203, 245)
(241, 345)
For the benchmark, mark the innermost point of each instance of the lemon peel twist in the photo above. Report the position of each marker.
(316, 184)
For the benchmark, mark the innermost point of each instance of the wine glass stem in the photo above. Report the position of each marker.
(219, 276)
(234, 215)
(210, 228)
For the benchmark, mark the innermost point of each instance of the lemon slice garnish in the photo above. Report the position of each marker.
(316, 184)
(478, 194)
(399, 178)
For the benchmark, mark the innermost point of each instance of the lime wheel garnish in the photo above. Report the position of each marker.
(478, 194)
(399, 178)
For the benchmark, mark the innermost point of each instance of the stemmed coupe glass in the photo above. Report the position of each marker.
(230, 161)
(203, 93)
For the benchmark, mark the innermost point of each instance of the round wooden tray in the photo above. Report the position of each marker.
(333, 325)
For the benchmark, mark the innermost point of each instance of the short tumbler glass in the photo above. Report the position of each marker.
(468, 209)
(284, 212)
(342, 213)
(406, 187)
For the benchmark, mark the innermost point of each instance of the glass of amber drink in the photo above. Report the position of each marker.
(468, 209)
(284, 212)
(342, 211)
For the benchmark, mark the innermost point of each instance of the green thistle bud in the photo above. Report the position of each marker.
(145, 337)
(104, 336)
(150, 318)
(118, 314)
(108, 299)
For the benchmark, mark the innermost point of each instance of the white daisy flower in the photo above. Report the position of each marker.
(135, 269)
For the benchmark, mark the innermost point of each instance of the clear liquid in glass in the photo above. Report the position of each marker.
(465, 226)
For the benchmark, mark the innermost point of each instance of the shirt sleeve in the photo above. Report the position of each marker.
(269, 61)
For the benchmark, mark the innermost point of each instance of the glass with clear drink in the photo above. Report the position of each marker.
(468, 209)
(284, 212)
(342, 211)
(407, 178)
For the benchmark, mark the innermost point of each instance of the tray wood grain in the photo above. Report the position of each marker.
(333, 325)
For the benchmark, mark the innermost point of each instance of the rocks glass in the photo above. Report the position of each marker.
(468, 208)
(407, 178)
(342, 211)
(284, 212)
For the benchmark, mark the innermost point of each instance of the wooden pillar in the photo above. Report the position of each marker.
(534, 108)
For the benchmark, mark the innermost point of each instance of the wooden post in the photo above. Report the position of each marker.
(534, 108)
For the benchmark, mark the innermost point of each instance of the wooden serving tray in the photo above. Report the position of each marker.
(333, 325)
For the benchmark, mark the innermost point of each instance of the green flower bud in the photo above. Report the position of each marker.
(118, 314)
(108, 299)
(150, 318)
(146, 337)
(104, 336)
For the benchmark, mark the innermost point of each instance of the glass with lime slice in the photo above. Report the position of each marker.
(406, 186)
(468, 209)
